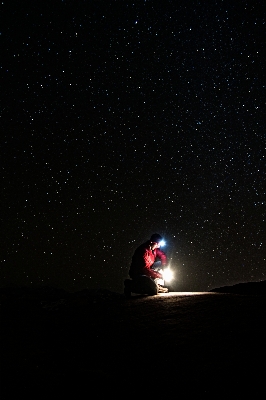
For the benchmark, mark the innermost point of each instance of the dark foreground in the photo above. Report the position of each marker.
(101, 343)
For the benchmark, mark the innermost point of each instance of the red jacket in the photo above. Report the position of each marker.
(143, 259)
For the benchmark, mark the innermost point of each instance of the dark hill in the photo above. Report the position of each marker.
(252, 288)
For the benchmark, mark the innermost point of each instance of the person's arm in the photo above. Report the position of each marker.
(160, 254)
(148, 261)
(152, 274)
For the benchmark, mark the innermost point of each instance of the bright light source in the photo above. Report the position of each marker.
(162, 243)
(168, 274)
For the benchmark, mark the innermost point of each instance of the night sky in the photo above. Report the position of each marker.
(120, 119)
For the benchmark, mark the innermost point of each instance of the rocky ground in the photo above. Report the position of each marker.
(208, 343)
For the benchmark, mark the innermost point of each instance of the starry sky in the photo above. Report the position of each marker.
(120, 119)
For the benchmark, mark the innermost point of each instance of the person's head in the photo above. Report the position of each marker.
(155, 240)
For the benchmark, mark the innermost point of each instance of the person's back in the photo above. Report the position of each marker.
(139, 260)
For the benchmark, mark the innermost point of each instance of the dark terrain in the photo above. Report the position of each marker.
(55, 342)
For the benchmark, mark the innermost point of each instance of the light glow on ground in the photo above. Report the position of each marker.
(183, 293)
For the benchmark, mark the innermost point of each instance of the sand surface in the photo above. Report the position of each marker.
(177, 343)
